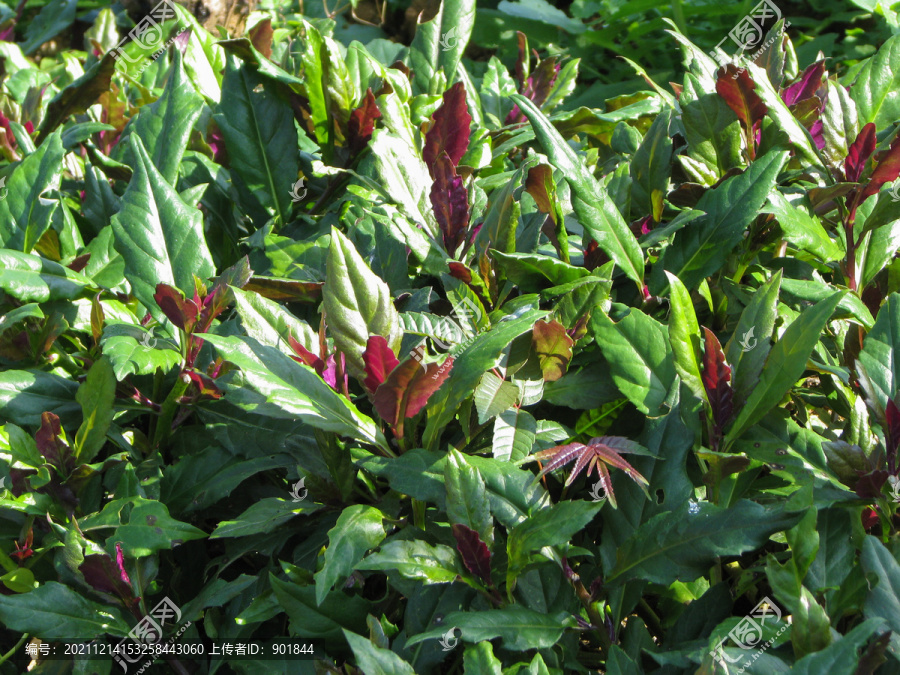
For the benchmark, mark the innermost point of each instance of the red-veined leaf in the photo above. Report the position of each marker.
(181, 312)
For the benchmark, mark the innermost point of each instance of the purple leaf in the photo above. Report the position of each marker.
(109, 577)
(450, 202)
(739, 92)
(808, 84)
(408, 388)
(537, 88)
(379, 361)
(50, 444)
(183, 313)
(362, 124)
(717, 383)
(475, 554)
(886, 171)
(450, 131)
(860, 151)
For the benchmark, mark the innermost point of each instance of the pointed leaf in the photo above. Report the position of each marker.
(740, 95)
(553, 347)
(414, 559)
(374, 660)
(808, 84)
(684, 334)
(408, 387)
(450, 129)
(450, 202)
(467, 501)
(96, 397)
(358, 529)
(493, 396)
(876, 86)
(380, 362)
(474, 552)
(362, 124)
(717, 381)
(514, 434)
(860, 151)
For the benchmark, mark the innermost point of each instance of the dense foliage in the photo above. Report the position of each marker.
(440, 365)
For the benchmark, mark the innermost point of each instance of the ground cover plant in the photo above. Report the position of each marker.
(428, 362)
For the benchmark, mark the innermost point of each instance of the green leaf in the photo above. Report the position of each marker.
(26, 394)
(684, 334)
(357, 304)
(150, 528)
(27, 311)
(883, 600)
(77, 97)
(133, 350)
(543, 11)
(702, 248)
(358, 529)
(468, 369)
(802, 229)
(261, 518)
(640, 359)
(24, 214)
(322, 622)
(879, 360)
(258, 128)
(493, 396)
(553, 526)
(520, 628)
(271, 324)
(165, 125)
(439, 43)
(416, 560)
(375, 660)
(158, 235)
(875, 251)
(514, 434)
(30, 278)
(467, 501)
(479, 659)
(593, 207)
(651, 166)
(785, 364)
(876, 88)
(839, 656)
(55, 17)
(56, 612)
(682, 544)
(291, 390)
(712, 130)
(96, 397)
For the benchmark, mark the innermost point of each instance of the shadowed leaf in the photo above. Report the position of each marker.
(475, 554)
(450, 131)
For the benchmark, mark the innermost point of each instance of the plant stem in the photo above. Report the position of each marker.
(12, 651)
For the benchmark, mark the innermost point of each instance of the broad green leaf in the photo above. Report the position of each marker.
(258, 127)
(135, 350)
(875, 251)
(593, 207)
(415, 559)
(375, 660)
(271, 324)
(56, 612)
(439, 43)
(640, 359)
(261, 518)
(514, 434)
(712, 130)
(357, 303)
(651, 166)
(519, 628)
(24, 214)
(840, 124)
(20, 446)
(96, 397)
(543, 11)
(748, 348)
(468, 369)
(359, 528)
(165, 125)
(291, 390)
(879, 360)
(554, 526)
(493, 396)
(876, 90)
(803, 230)
(321, 622)
(784, 365)
(701, 248)
(534, 272)
(479, 659)
(883, 599)
(841, 655)
(467, 501)
(683, 543)
(150, 528)
(27, 311)
(77, 97)
(54, 17)
(26, 394)
(159, 236)
(684, 334)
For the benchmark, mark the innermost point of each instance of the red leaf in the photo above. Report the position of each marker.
(408, 388)
(362, 124)
(183, 313)
(717, 382)
(892, 434)
(261, 37)
(537, 88)
(459, 271)
(553, 347)
(806, 87)
(475, 554)
(539, 184)
(109, 577)
(450, 202)
(450, 131)
(205, 386)
(886, 172)
(860, 151)
(740, 95)
(379, 361)
(49, 443)
(79, 263)
(304, 355)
